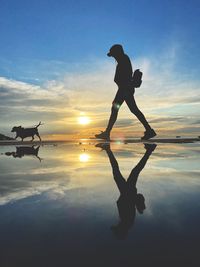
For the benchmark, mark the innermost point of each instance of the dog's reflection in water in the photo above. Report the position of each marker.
(129, 200)
(22, 151)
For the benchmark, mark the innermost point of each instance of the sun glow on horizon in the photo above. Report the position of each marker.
(84, 120)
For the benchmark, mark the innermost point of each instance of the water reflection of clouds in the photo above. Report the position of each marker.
(170, 200)
(70, 166)
(21, 178)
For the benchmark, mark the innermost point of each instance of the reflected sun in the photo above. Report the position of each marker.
(84, 157)
(83, 120)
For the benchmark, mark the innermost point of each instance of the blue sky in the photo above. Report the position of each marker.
(73, 31)
(48, 43)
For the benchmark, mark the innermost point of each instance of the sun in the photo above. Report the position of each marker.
(84, 120)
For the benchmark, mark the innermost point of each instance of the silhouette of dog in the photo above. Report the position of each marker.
(26, 132)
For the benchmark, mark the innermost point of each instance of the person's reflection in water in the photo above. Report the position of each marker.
(129, 199)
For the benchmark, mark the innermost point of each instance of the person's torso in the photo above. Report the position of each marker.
(123, 73)
(126, 203)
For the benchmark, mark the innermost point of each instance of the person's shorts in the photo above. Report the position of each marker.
(123, 95)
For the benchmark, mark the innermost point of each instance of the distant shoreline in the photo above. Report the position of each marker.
(89, 141)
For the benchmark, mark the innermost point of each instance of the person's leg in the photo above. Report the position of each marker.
(117, 102)
(130, 101)
(119, 179)
(132, 179)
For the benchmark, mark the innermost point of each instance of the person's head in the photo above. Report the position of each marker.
(140, 203)
(116, 51)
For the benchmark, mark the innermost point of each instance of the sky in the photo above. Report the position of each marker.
(54, 68)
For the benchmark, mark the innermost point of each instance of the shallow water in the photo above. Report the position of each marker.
(60, 205)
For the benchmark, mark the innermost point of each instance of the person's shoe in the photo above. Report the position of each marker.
(103, 135)
(148, 134)
(103, 146)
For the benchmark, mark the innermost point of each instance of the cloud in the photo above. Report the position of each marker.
(167, 119)
(167, 99)
(196, 122)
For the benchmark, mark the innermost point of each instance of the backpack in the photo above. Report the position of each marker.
(137, 78)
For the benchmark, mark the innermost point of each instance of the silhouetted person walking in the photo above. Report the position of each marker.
(129, 199)
(123, 77)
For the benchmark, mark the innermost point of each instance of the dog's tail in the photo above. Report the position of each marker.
(39, 124)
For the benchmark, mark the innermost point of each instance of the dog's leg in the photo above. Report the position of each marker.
(32, 138)
(40, 159)
(39, 136)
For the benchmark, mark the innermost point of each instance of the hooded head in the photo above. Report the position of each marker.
(116, 51)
